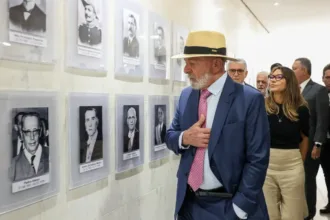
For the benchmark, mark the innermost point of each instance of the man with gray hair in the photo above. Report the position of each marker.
(262, 82)
(237, 70)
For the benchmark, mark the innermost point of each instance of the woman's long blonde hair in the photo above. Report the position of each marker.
(292, 98)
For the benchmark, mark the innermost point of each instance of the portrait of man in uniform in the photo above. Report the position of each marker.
(91, 136)
(90, 26)
(32, 159)
(27, 16)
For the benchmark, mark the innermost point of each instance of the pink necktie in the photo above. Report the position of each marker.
(195, 178)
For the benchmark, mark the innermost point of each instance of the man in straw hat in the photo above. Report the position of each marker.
(221, 130)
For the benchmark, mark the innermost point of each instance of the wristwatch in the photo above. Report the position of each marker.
(318, 145)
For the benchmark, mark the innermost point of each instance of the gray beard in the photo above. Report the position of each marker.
(201, 83)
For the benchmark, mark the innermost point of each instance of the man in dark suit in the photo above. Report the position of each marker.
(132, 139)
(131, 44)
(224, 144)
(317, 97)
(160, 129)
(325, 152)
(160, 48)
(33, 160)
(28, 16)
(92, 149)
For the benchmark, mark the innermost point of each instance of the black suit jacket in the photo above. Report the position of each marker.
(97, 151)
(136, 142)
(35, 22)
(21, 169)
(132, 49)
(318, 102)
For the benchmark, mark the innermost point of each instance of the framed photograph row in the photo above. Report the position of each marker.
(143, 40)
(30, 156)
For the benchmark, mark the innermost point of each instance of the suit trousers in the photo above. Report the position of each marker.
(325, 164)
(210, 208)
(311, 169)
(284, 187)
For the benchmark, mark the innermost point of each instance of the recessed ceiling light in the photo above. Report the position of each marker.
(276, 4)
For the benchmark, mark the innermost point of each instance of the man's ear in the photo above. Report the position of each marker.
(247, 72)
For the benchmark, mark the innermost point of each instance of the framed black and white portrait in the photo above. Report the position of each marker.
(159, 121)
(159, 46)
(30, 147)
(131, 45)
(27, 22)
(129, 132)
(91, 138)
(179, 36)
(129, 40)
(87, 37)
(160, 125)
(90, 28)
(88, 137)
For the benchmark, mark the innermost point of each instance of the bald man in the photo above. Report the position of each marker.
(131, 140)
(262, 82)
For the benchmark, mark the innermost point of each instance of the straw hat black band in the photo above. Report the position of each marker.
(204, 50)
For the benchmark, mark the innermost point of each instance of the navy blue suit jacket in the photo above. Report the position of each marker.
(238, 148)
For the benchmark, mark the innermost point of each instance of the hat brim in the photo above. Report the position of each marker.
(182, 56)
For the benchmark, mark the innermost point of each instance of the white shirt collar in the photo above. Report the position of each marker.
(217, 86)
(91, 143)
(36, 160)
(303, 84)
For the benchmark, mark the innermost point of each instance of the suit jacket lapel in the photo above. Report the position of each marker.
(190, 115)
(307, 87)
(221, 113)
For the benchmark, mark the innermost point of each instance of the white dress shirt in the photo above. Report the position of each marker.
(209, 180)
(158, 133)
(131, 135)
(36, 160)
(304, 84)
(90, 147)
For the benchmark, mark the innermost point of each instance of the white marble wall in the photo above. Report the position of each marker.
(150, 194)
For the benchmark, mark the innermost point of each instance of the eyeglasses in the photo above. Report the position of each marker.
(276, 77)
(29, 133)
(239, 71)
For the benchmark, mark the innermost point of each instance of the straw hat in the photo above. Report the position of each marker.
(204, 44)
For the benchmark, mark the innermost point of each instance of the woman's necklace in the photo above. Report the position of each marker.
(279, 118)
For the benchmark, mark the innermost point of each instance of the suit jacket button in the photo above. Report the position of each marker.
(186, 173)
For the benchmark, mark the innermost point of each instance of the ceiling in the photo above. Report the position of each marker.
(273, 15)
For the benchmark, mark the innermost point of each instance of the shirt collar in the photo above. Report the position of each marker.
(36, 160)
(303, 84)
(92, 138)
(217, 86)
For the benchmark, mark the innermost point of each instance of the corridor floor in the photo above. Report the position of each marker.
(321, 196)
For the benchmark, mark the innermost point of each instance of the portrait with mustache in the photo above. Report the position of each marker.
(130, 42)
